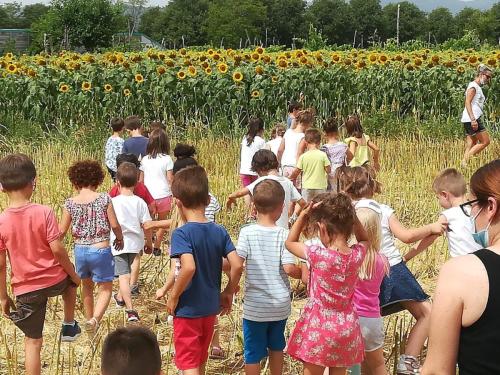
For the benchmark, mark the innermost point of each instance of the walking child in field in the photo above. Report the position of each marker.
(314, 166)
(39, 264)
(91, 217)
(293, 110)
(328, 333)
(136, 143)
(114, 146)
(335, 150)
(276, 136)
(132, 213)
(360, 145)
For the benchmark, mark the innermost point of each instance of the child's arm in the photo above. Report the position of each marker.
(420, 247)
(328, 169)
(169, 283)
(302, 148)
(65, 223)
(292, 270)
(231, 200)
(160, 224)
(141, 176)
(148, 234)
(411, 235)
(188, 268)
(236, 264)
(62, 258)
(292, 243)
(170, 177)
(353, 145)
(281, 149)
(360, 233)
(296, 172)
(5, 300)
(115, 227)
(376, 153)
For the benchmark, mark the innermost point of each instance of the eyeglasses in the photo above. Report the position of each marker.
(467, 207)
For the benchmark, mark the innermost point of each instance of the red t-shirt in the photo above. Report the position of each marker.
(140, 190)
(25, 233)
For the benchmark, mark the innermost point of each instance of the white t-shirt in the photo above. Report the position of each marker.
(460, 229)
(389, 248)
(247, 153)
(131, 212)
(267, 288)
(292, 141)
(212, 209)
(155, 175)
(274, 145)
(477, 103)
(291, 195)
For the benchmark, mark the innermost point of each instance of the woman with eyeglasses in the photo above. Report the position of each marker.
(477, 138)
(465, 318)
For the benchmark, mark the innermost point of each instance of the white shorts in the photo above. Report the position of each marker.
(372, 330)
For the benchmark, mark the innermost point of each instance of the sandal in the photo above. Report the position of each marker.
(217, 353)
(91, 327)
(156, 251)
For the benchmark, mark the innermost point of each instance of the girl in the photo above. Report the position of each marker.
(92, 216)
(276, 137)
(399, 290)
(157, 175)
(366, 294)
(335, 150)
(328, 334)
(184, 156)
(360, 145)
(251, 143)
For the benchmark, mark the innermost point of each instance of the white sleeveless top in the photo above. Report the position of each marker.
(292, 141)
(477, 103)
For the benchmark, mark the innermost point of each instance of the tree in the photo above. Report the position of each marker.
(333, 18)
(12, 15)
(133, 11)
(151, 23)
(32, 13)
(441, 25)
(285, 20)
(411, 21)
(232, 21)
(367, 17)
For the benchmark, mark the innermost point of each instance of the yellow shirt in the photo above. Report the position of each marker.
(362, 154)
(312, 164)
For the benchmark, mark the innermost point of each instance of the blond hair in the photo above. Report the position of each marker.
(371, 222)
(450, 180)
(176, 220)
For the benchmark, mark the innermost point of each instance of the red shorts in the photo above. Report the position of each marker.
(163, 204)
(247, 179)
(192, 337)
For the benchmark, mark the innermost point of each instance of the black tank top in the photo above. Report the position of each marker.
(479, 350)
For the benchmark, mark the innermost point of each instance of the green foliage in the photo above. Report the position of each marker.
(412, 22)
(315, 40)
(367, 20)
(441, 25)
(469, 40)
(285, 20)
(333, 18)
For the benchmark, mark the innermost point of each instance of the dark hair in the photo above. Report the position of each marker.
(183, 163)
(343, 177)
(336, 212)
(131, 351)
(305, 116)
(450, 180)
(157, 125)
(264, 161)
(294, 106)
(183, 150)
(131, 158)
(16, 172)
(363, 184)
(117, 124)
(127, 174)
(255, 125)
(158, 144)
(190, 186)
(133, 123)
(353, 126)
(268, 195)
(485, 182)
(312, 136)
(278, 131)
(331, 125)
(86, 173)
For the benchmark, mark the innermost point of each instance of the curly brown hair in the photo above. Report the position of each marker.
(86, 173)
(336, 212)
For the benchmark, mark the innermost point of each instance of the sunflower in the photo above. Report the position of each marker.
(126, 65)
(108, 87)
(9, 55)
(410, 67)
(460, 70)
(335, 58)
(237, 77)
(222, 68)
(86, 86)
(63, 88)
(473, 59)
(491, 62)
(255, 56)
(139, 78)
(127, 92)
(435, 59)
(259, 70)
(274, 79)
(259, 50)
(210, 52)
(161, 70)
(31, 73)
(372, 57)
(282, 63)
(347, 62)
(382, 58)
(418, 62)
(192, 71)
(183, 51)
(208, 71)
(255, 94)
(181, 74)
(11, 68)
(304, 60)
(216, 56)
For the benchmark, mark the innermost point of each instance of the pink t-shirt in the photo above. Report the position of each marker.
(366, 293)
(25, 233)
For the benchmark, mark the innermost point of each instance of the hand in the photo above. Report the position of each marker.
(7, 303)
(474, 124)
(307, 210)
(160, 293)
(439, 227)
(152, 209)
(148, 248)
(226, 302)
(230, 203)
(118, 244)
(148, 225)
(172, 305)
(76, 280)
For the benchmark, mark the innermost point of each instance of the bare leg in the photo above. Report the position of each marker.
(483, 142)
(195, 371)
(32, 348)
(252, 369)
(135, 268)
(88, 298)
(276, 362)
(374, 363)
(470, 141)
(338, 371)
(310, 369)
(421, 311)
(124, 281)
(103, 298)
(161, 232)
(69, 298)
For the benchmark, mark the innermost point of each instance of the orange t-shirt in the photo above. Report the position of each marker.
(25, 233)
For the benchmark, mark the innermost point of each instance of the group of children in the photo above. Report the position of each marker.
(343, 238)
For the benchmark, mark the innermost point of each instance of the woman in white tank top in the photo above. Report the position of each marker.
(477, 138)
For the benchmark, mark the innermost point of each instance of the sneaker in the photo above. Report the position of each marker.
(132, 316)
(134, 290)
(408, 365)
(156, 251)
(118, 303)
(70, 333)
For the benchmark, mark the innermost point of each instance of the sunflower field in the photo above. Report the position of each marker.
(206, 86)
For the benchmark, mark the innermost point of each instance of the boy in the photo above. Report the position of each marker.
(130, 351)
(114, 146)
(450, 188)
(267, 303)
(132, 213)
(265, 164)
(136, 143)
(195, 299)
(293, 108)
(314, 166)
(40, 266)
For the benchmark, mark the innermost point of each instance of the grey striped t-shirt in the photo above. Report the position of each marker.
(267, 288)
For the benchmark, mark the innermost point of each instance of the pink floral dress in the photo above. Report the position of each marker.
(328, 333)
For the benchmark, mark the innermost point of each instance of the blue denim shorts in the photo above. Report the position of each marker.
(94, 263)
(259, 337)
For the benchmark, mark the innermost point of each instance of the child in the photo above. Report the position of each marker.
(293, 145)
(334, 149)
(157, 175)
(400, 290)
(114, 146)
(293, 110)
(184, 156)
(450, 189)
(328, 334)
(92, 216)
(39, 265)
(264, 162)
(132, 213)
(276, 137)
(195, 299)
(131, 350)
(360, 145)
(267, 303)
(314, 166)
(366, 293)
(136, 143)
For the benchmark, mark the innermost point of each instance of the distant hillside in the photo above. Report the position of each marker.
(454, 6)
